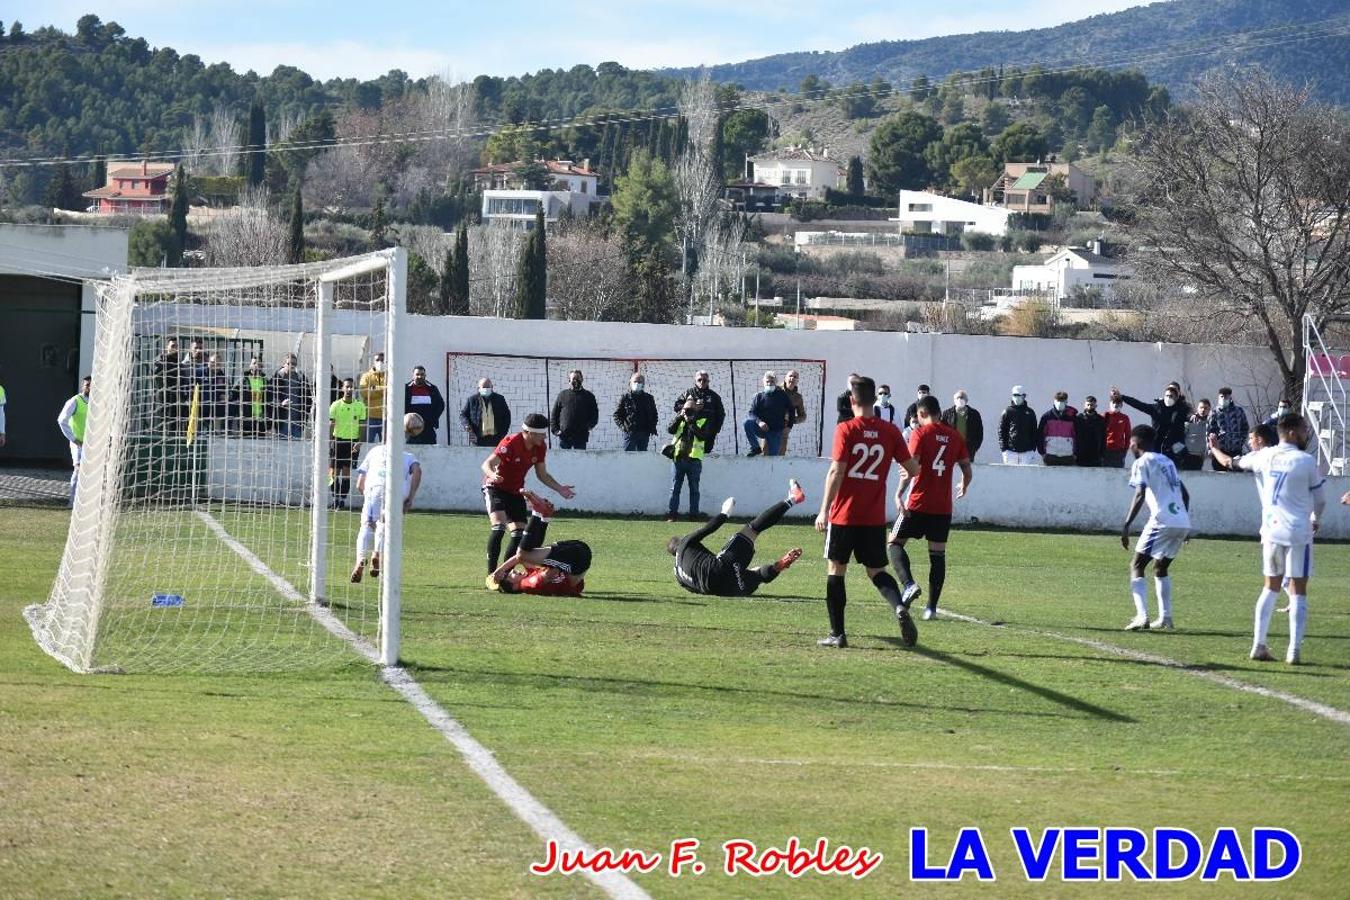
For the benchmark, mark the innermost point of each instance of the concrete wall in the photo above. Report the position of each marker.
(626, 483)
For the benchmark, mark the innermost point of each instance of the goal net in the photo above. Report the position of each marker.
(214, 522)
(531, 384)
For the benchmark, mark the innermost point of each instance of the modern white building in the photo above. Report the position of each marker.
(1070, 269)
(925, 213)
(800, 172)
(571, 187)
(518, 207)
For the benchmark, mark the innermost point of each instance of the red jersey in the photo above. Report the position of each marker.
(865, 447)
(937, 448)
(516, 462)
(548, 580)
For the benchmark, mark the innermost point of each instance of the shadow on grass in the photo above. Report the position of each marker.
(1045, 693)
(459, 676)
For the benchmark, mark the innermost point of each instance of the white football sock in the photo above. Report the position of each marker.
(1298, 618)
(363, 541)
(1139, 590)
(1164, 586)
(1265, 605)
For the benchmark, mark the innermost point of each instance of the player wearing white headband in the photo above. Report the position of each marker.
(504, 481)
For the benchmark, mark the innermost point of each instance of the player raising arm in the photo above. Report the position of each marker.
(853, 508)
(1155, 480)
(1293, 498)
(504, 479)
(370, 475)
(927, 513)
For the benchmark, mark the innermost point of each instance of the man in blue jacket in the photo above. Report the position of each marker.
(768, 414)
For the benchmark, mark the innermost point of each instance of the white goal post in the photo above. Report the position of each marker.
(215, 522)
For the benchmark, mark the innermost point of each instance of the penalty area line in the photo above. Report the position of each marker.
(1330, 713)
(541, 820)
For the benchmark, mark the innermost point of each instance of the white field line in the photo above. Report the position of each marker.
(1319, 709)
(542, 821)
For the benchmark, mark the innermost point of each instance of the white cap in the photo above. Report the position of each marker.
(1018, 389)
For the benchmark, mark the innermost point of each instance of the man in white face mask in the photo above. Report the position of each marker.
(1283, 408)
(1228, 424)
(966, 420)
(372, 384)
(884, 409)
(1056, 432)
(1168, 414)
(636, 414)
(1017, 436)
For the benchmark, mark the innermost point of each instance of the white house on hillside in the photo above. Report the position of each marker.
(925, 213)
(801, 172)
(571, 187)
(1069, 269)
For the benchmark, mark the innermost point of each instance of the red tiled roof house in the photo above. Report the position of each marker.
(134, 189)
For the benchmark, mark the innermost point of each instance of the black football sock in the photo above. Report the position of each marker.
(937, 576)
(512, 545)
(769, 518)
(767, 573)
(494, 546)
(835, 599)
(889, 590)
(535, 530)
(900, 559)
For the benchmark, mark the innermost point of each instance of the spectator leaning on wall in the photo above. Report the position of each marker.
(912, 413)
(1117, 436)
(1229, 424)
(1089, 434)
(883, 408)
(575, 414)
(797, 408)
(424, 398)
(769, 413)
(1055, 433)
(1017, 435)
(485, 415)
(966, 420)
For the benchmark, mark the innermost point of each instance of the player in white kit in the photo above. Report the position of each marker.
(370, 481)
(1155, 480)
(1292, 500)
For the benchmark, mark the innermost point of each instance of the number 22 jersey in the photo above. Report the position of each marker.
(866, 448)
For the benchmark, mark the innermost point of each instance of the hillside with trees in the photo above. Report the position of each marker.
(1171, 43)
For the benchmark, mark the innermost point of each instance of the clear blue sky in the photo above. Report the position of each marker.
(511, 37)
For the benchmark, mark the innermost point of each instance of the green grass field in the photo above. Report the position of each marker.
(641, 714)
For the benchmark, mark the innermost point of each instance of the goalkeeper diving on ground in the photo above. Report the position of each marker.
(728, 573)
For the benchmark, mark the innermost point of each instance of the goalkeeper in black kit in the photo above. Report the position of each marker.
(728, 573)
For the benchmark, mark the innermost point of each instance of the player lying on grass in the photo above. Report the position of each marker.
(558, 569)
(504, 480)
(1154, 478)
(728, 573)
(370, 475)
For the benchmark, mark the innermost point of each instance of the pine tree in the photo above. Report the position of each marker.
(178, 218)
(532, 274)
(253, 163)
(446, 288)
(100, 170)
(379, 225)
(61, 192)
(295, 250)
(855, 176)
(459, 290)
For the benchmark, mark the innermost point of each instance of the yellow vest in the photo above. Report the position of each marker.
(77, 420)
(257, 389)
(696, 445)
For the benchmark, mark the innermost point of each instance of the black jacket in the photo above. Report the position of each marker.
(1089, 438)
(1017, 429)
(974, 427)
(711, 405)
(1168, 421)
(636, 413)
(844, 405)
(574, 414)
(471, 415)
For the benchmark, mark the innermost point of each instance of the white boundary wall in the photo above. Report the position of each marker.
(621, 483)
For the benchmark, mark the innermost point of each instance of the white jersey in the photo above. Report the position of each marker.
(1291, 492)
(1162, 489)
(373, 467)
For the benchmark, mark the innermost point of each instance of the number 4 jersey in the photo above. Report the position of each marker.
(937, 448)
(866, 448)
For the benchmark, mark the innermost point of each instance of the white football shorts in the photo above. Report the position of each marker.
(1161, 541)
(1288, 560)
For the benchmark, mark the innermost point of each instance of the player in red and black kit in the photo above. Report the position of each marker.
(853, 508)
(939, 450)
(558, 569)
(504, 480)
